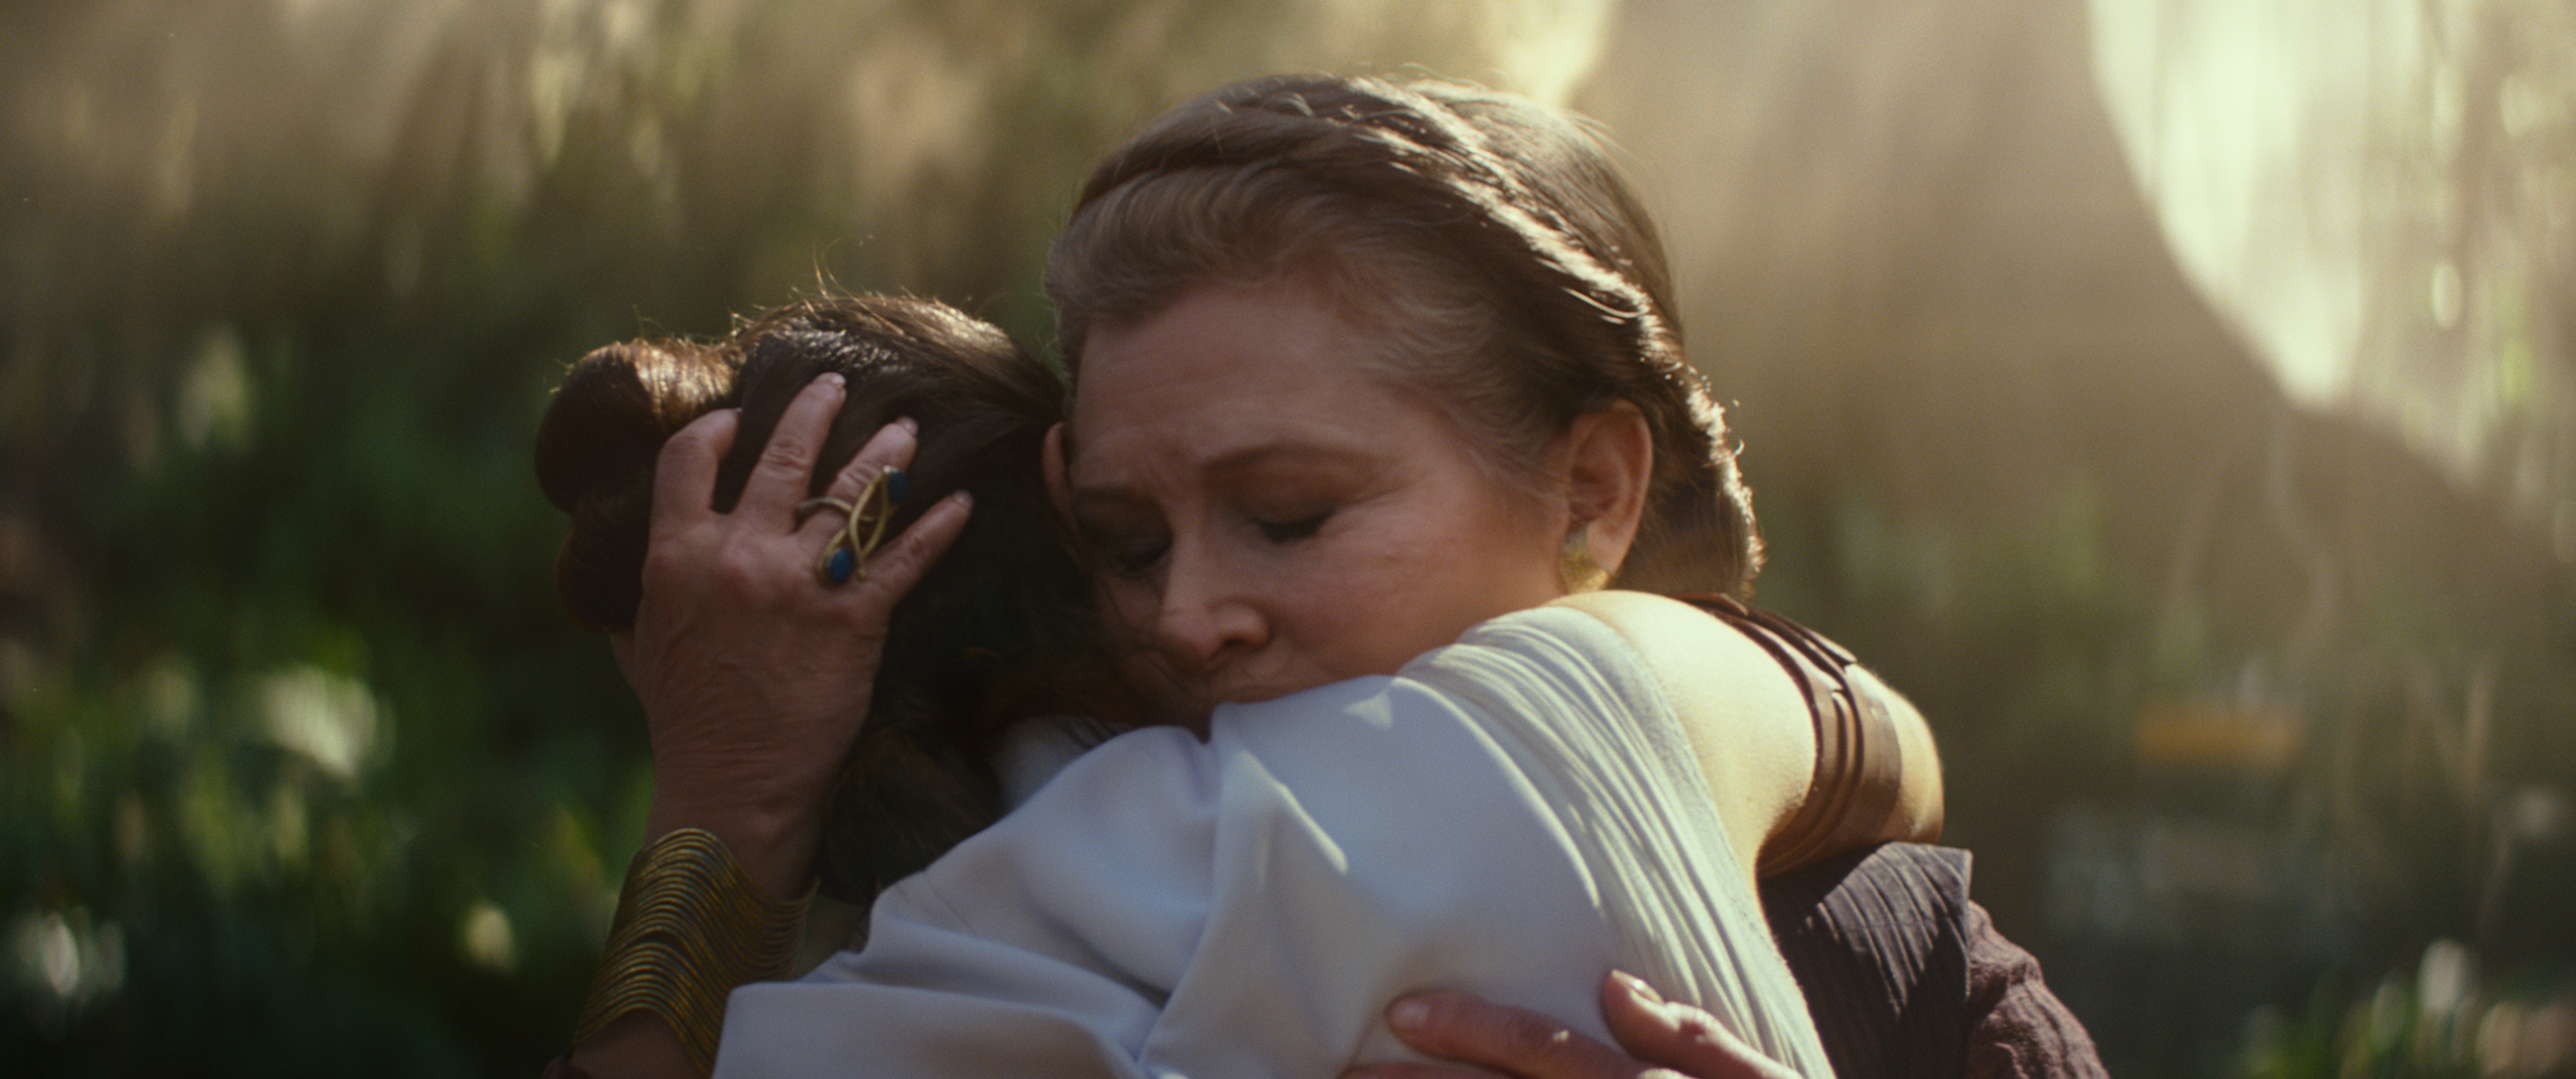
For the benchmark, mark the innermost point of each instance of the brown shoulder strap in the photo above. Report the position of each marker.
(1857, 756)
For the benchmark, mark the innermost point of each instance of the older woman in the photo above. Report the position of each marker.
(1487, 259)
(1361, 367)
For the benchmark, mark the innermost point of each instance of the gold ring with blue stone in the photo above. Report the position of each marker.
(846, 556)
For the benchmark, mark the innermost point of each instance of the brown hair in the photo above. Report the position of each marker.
(1487, 243)
(1001, 628)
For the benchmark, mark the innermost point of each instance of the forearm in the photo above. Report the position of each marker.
(692, 925)
(773, 836)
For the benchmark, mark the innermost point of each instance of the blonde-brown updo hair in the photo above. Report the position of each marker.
(1486, 243)
(999, 629)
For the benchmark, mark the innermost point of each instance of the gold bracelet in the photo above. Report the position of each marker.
(691, 925)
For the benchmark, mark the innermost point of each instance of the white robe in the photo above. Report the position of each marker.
(1512, 815)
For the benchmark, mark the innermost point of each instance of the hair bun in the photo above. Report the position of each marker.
(596, 450)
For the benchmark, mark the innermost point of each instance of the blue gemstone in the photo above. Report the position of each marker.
(896, 483)
(843, 564)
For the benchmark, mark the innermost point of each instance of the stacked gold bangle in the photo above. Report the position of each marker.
(690, 926)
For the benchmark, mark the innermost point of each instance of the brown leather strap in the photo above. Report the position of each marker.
(1858, 762)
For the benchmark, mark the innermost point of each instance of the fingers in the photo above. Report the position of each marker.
(778, 479)
(899, 564)
(1679, 1036)
(1513, 1041)
(1416, 1071)
(684, 476)
(1668, 1040)
(890, 447)
(863, 498)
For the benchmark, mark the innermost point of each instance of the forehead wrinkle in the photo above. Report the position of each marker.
(1237, 439)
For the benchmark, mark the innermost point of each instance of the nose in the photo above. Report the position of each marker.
(1208, 616)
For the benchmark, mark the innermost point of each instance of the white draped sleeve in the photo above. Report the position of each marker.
(1513, 815)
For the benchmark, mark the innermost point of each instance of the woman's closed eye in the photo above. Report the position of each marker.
(1133, 557)
(1292, 529)
(1124, 537)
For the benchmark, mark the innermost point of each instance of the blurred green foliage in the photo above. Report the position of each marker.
(301, 769)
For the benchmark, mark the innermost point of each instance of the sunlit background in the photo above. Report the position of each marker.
(2176, 397)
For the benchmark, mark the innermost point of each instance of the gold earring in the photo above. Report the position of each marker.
(1575, 566)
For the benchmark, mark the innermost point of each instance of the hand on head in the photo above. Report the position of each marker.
(754, 675)
(704, 537)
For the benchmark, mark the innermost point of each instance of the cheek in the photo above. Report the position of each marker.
(1371, 611)
(1487, 558)
(1127, 606)
(1517, 543)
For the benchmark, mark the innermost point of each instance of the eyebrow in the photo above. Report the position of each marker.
(1094, 500)
(1229, 464)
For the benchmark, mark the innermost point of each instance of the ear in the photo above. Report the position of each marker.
(1052, 461)
(1610, 458)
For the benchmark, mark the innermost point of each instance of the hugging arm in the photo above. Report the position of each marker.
(1886, 787)
(754, 678)
(1803, 752)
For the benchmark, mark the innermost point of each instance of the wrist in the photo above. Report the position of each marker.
(775, 841)
(691, 927)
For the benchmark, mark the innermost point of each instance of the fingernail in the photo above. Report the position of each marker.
(1408, 1014)
(832, 379)
(910, 426)
(1637, 987)
(897, 485)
